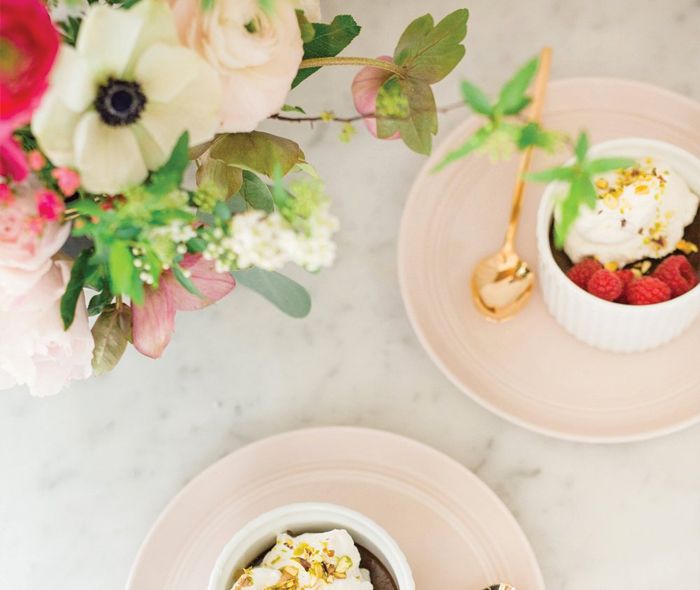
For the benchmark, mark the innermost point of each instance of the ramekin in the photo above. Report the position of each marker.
(260, 535)
(610, 326)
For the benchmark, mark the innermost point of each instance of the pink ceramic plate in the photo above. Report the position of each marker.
(455, 532)
(529, 370)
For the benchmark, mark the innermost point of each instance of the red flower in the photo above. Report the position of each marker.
(28, 47)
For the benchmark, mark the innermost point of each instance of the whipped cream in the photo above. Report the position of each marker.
(641, 212)
(310, 561)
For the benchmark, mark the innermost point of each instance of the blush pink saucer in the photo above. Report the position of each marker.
(454, 531)
(529, 370)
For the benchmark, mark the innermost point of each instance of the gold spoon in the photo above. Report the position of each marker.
(503, 282)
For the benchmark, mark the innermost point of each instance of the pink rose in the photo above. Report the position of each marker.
(34, 348)
(256, 53)
(27, 244)
(68, 180)
(49, 205)
(365, 88)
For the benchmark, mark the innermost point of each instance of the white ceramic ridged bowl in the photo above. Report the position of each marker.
(612, 326)
(260, 534)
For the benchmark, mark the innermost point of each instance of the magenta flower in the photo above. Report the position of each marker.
(153, 323)
(49, 205)
(13, 164)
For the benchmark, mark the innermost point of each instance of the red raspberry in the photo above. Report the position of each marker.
(606, 285)
(646, 291)
(678, 274)
(582, 272)
(626, 276)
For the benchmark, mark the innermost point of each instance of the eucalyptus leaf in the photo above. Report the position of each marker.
(328, 41)
(257, 151)
(111, 334)
(256, 193)
(284, 293)
(74, 289)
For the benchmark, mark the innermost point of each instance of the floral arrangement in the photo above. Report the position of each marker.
(106, 109)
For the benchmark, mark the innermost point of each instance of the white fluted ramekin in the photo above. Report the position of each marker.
(260, 535)
(612, 326)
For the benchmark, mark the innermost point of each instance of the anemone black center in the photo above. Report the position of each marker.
(120, 102)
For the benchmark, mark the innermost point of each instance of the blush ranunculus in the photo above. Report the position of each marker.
(365, 88)
(27, 243)
(256, 53)
(153, 322)
(28, 47)
(35, 350)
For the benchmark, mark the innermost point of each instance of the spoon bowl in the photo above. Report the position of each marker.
(501, 285)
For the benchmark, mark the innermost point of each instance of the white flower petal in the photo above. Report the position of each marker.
(108, 158)
(73, 80)
(158, 26)
(165, 70)
(53, 124)
(108, 37)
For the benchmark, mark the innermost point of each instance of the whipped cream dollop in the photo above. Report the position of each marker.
(309, 561)
(641, 212)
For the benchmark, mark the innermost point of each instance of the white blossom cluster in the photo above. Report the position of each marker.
(269, 241)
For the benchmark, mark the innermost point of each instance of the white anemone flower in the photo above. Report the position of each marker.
(119, 100)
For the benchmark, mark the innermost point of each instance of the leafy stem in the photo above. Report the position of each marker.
(317, 62)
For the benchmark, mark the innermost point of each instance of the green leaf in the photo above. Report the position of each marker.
(284, 293)
(256, 193)
(473, 143)
(222, 211)
(512, 99)
(581, 148)
(78, 274)
(99, 302)
(111, 333)
(305, 27)
(564, 174)
(420, 123)
(581, 192)
(430, 52)
(185, 281)
(169, 176)
(601, 165)
(123, 275)
(290, 108)
(476, 99)
(225, 179)
(257, 151)
(328, 41)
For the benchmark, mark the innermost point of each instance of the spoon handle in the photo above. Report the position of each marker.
(526, 159)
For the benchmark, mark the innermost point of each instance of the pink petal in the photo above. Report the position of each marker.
(153, 323)
(365, 88)
(213, 285)
(13, 164)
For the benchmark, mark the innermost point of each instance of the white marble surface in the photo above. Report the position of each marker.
(84, 475)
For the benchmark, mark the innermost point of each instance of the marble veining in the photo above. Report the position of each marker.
(85, 474)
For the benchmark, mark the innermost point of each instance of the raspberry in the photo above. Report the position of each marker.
(678, 274)
(582, 272)
(626, 276)
(646, 291)
(606, 285)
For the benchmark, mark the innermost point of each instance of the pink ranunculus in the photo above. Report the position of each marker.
(365, 88)
(35, 350)
(29, 44)
(68, 180)
(49, 205)
(153, 323)
(27, 243)
(256, 53)
(13, 163)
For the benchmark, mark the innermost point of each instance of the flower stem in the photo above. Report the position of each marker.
(317, 62)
